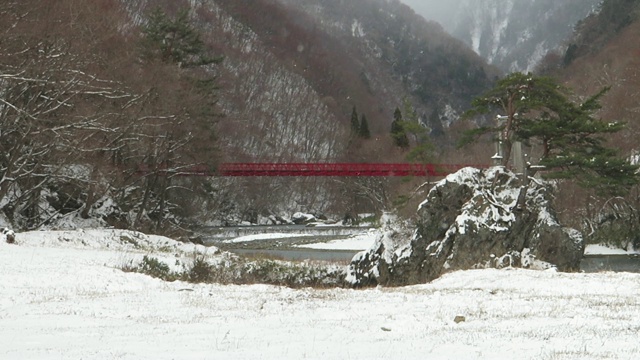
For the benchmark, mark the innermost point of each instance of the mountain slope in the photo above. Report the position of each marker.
(286, 89)
(336, 56)
(512, 34)
(402, 55)
(608, 54)
(290, 80)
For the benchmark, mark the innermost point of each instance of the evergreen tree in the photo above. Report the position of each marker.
(423, 151)
(177, 41)
(364, 128)
(174, 40)
(537, 111)
(573, 146)
(355, 123)
(514, 97)
(398, 133)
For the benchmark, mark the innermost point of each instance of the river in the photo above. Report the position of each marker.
(616, 263)
(286, 248)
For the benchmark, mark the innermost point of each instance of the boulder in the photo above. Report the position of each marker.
(469, 220)
(9, 235)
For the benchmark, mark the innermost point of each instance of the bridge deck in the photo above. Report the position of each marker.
(324, 169)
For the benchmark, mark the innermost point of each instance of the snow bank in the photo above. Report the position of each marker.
(359, 242)
(606, 250)
(112, 239)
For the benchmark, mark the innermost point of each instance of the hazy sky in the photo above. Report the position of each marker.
(438, 10)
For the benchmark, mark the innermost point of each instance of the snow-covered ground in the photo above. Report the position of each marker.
(358, 242)
(260, 237)
(62, 296)
(606, 250)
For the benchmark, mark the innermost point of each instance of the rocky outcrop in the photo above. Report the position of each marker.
(469, 221)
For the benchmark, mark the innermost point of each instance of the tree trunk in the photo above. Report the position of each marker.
(506, 152)
(151, 182)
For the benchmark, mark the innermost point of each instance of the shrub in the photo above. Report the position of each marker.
(200, 271)
(240, 271)
(155, 268)
(615, 225)
(290, 274)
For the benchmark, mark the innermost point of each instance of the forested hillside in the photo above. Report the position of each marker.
(83, 110)
(105, 103)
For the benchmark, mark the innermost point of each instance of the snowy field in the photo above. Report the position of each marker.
(63, 297)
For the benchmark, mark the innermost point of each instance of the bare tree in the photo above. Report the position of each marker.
(78, 119)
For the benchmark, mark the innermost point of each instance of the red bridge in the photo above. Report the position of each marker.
(323, 169)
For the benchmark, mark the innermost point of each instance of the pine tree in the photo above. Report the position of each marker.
(423, 151)
(515, 96)
(174, 40)
(355, 123)
(537, 111)
(364, 128)
(574, 147)
(398, 133)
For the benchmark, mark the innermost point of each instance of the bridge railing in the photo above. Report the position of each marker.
(318, 169)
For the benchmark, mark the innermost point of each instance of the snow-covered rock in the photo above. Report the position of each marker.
(7, 235)
(469, 220)
(302, 218)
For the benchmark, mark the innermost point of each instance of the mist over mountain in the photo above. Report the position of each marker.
(436, 10)
(514, 35)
